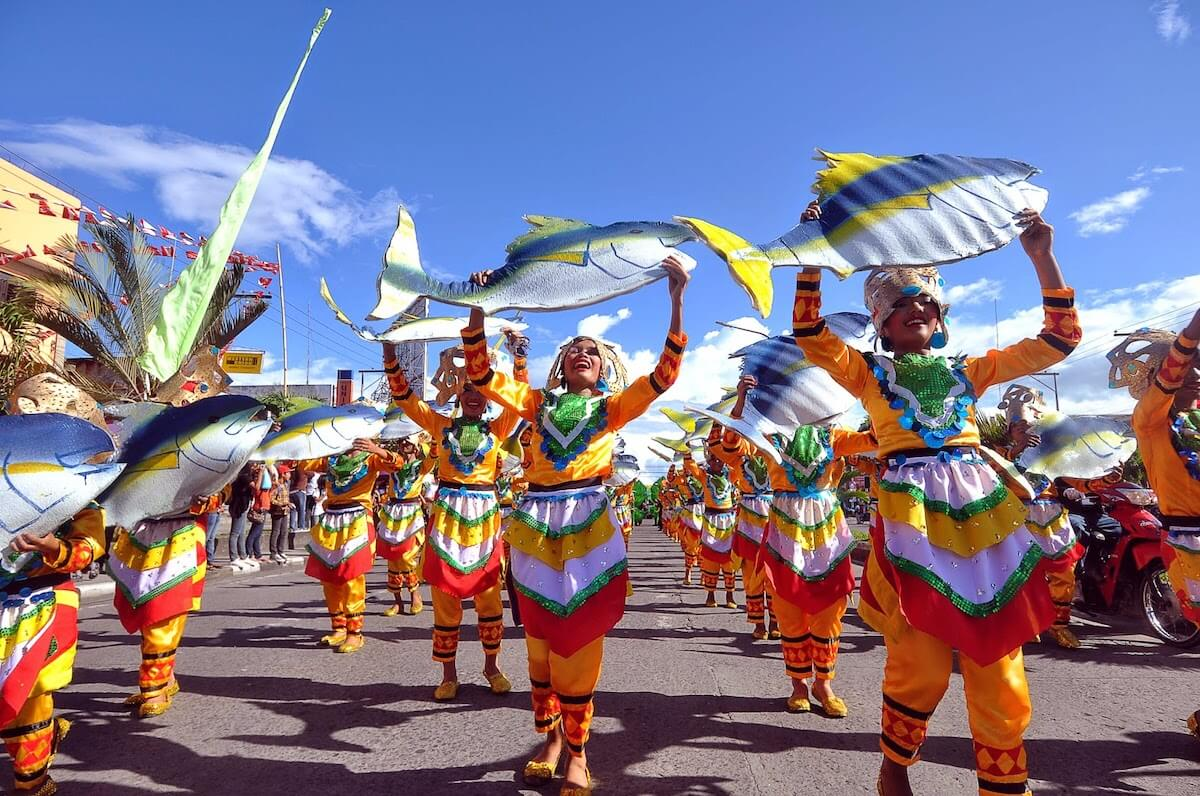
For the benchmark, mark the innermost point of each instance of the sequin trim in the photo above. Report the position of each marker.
(966, 512)
(582, 596)
(1014, 584)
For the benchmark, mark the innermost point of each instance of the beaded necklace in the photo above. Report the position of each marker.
(1185, 444)
(932, 392)
(805, 456)
(404, 478)
(347, 470)
(754, 469)
(467, 443)
(719, 485)
(567, 423)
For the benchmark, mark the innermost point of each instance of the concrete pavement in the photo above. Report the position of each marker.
(688, 704)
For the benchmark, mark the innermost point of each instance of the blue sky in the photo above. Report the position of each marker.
(475, 113)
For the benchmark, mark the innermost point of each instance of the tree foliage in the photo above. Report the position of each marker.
(105, 303)
(16, 334)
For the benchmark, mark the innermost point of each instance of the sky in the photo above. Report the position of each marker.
(473, 114)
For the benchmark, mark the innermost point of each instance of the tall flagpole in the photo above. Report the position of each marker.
(283, 313)
(308, 348)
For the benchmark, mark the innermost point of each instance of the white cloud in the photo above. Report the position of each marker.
(1110, 214)
(1153, 172)
(976, 292)
(298, 203)
(597, 324)
(1083, 380)
(1172, 25)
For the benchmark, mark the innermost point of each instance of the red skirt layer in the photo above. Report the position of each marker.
(567, 635)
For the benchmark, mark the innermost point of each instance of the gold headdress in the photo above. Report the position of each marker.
(49, 392)
(1022, 403)
(1133, 363)
(451, 375)
(885, 286)
(613, 377)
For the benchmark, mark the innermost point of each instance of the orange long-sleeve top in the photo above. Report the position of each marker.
(1178, 493)
(472, 468)
(358, 485)
(843, 442)
(560, 456)
(423, 468)
(736, 457)
(715, 497)
(854, 371)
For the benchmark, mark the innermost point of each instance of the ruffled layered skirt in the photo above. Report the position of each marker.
(1181, 554)
(568, 566)
(463, 551)
(752, 515)
(39, 624)
(341, 546)
(159, 570)
(806, 550)
(400, 532)
(953, 557)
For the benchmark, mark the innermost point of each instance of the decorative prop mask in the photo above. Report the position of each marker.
(1133, 363)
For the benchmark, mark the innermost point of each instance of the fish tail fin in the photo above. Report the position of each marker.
(403, 279)
(749, 265)
(341, 316)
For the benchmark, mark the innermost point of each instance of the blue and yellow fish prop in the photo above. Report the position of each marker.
(320, 431)
(880, 211)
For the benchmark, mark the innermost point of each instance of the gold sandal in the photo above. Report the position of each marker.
(798, 705)
(833, 707)
(353, 643)
(498, 683)
(446, 691)
(334, 639)
(538, 773)
(136, 699)
(578, 790)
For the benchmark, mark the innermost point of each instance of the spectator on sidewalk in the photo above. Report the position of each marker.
(241, 495)
(259, 516)
(281, 510)
(298, 517)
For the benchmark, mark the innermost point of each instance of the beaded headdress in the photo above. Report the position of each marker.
(1133, 363)
(613, 377)
(451, 375)
(885, 286)
(1022, 403)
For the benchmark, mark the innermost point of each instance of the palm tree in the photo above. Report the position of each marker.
(105, 302)
(16, 333)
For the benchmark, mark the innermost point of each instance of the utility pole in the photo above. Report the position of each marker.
(283, 314)
(308, 348)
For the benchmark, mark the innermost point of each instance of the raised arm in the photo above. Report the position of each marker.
(826, 350)
(506, 391)
(1060, 329)
(633, 401)
(851, 443)
(415, 407)
(1155, 406)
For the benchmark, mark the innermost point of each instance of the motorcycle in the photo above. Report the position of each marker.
(1123, 561)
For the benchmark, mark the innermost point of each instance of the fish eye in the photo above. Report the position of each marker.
(635, 232)
(213, 419)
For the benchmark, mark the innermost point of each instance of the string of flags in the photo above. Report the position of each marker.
(103, 217)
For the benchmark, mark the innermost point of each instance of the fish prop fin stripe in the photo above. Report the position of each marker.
(403, 279)
(684, 420)
(677, 445)
(748, 265)
(752, 426)
(542, 227)
(843, 168)
(170, 340)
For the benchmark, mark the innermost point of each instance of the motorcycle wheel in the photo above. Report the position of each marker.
(1162, 610)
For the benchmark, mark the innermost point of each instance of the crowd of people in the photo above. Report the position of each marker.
(509, 492)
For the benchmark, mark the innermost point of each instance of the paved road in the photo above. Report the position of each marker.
(688, 704)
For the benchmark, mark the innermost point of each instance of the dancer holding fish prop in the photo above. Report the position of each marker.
(806, 545)
(172, 455)
(54, 464)
(718, 516)
(400, 529)
(1080, 454)
(463, 551)
(952, 565)
(334, 441)
(568, 557)
(1160, 370)
(691, 517)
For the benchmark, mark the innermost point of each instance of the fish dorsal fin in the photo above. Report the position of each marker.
(541, 227)
(843, 168)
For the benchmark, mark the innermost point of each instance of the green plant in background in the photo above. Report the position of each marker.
(106, 302)
(16, 334)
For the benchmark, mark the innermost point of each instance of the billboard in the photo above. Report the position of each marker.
(242, 361)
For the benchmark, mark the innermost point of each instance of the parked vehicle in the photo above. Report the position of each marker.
(1123, 561)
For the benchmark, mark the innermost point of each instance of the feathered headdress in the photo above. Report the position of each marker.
(613, 377)
(1133, 363)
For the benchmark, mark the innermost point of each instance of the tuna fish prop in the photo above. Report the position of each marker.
(887, 211)
(173, 454)
(751, 426)
(558, 264)
(625, 470)
(320, 431)
(1077, 447)
(396, 425)
(53, 466)
(415, 329)
(791, 391)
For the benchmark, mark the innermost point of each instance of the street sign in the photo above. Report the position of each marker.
(242, 361)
